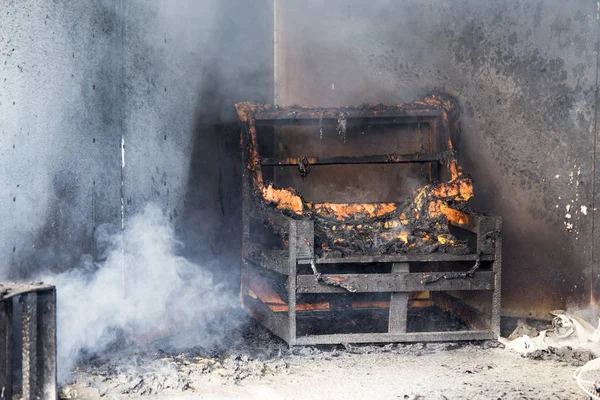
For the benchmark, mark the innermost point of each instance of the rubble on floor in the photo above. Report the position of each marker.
(568, 330)
(571, 340)
(248, 354)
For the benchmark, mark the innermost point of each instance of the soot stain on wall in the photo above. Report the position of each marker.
(136, 69)
(525, 76)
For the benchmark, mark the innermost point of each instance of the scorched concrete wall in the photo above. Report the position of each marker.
(77, 77)
(525, 75)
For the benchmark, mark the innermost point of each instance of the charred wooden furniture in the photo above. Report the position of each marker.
(361, 269)
(27, 341)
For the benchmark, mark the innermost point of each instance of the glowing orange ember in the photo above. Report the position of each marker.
(284, 199)
(387, 221)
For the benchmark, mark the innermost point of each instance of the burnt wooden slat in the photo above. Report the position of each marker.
(14, 289)
(278, 323)
(6, 348)
(486, 230)
(395, 282)
(305, 239)
(274, 260)
(371, 159)
(291, 282)
(46, 345)
(399, 258)
(398, 303)
(281, 221)
(331, 115)
(29, 333)
(497, 269)
(395, 337)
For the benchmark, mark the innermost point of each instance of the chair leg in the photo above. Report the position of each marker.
(398, 304)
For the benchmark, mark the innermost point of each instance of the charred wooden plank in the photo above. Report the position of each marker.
(6, 349)
(14, 289)
(301, 113)
(29, 312)
(374, 159)
(395, 337)
(304, 231)
(487, 232)
(497, 268)
(394, 282)
(398, 303)
(291, 282)
(46, 369)
(278, 323)
(327, 259)
(274, 260)
(333, 121)
(433, 104)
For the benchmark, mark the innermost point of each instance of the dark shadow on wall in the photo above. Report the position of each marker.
(237, 67)
(241, 70)
(210, 226)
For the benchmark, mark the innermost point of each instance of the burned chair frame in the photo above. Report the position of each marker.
(280, 317)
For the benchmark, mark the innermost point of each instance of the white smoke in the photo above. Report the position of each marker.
(141, 291)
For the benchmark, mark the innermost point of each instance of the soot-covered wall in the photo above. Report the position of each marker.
(78, 77)
(525, 73)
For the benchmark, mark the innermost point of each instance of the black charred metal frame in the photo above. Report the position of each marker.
(400, 281)
(34, 307)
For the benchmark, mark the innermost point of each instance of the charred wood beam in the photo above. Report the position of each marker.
(274, 260)
(395, 337)
(29, 356)
(353, 122)
(331, 115)
(399, 258)
(278, 323)
(6, 349)
(487, 230)
(279, 219)
(303, 233)
(398, 303)
(46, 325)
(374, 159)
(275, 217)
(400, 282)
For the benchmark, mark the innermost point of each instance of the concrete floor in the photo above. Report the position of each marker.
(421, 372)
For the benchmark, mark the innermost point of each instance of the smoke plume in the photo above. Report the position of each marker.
(142, 290)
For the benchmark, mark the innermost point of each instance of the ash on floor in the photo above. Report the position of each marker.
(252, 364)
(567, 354)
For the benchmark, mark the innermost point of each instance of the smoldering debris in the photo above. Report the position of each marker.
(141, 291)
(169, 373)
(571, 339)
(248, 353)
(567, 354)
